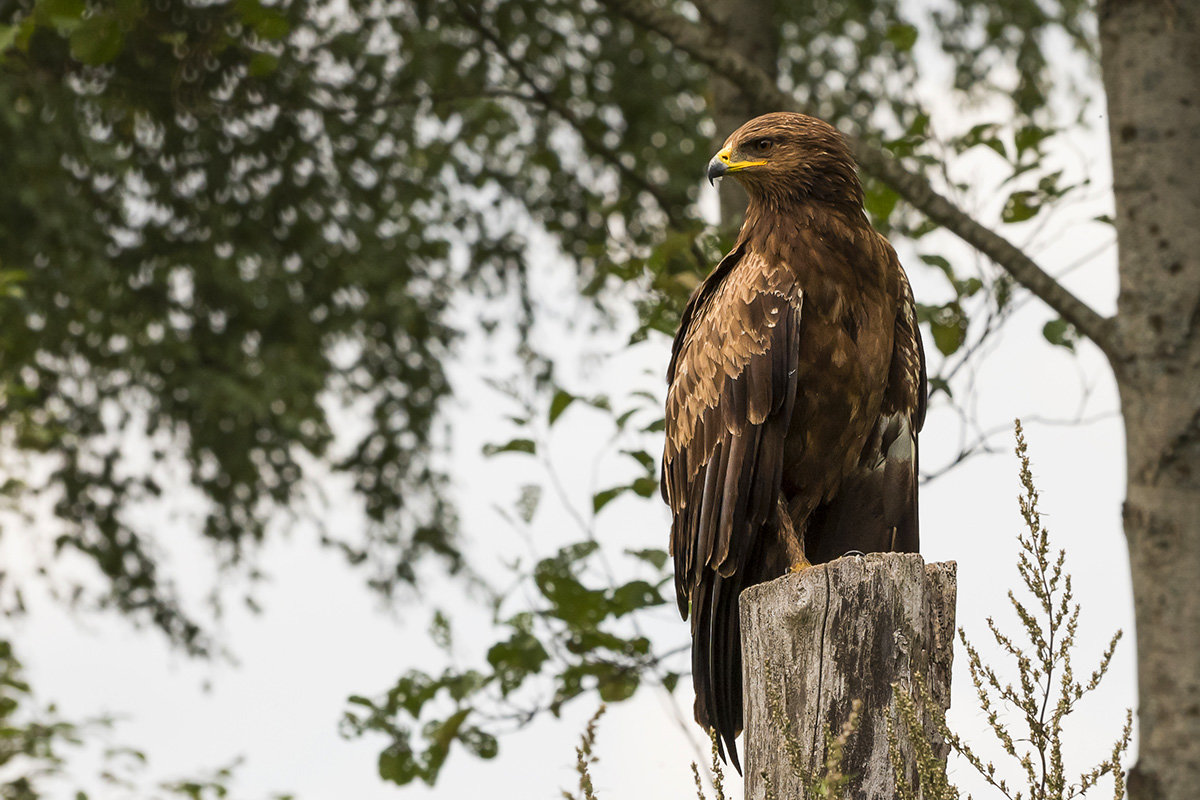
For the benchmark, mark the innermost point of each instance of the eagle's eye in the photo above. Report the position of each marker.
(761, 146)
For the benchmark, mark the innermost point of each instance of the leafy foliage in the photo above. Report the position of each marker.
(220, 239)
(36, 745)
(564, 648)
(566, 626)
(236, 217)
(30, 743)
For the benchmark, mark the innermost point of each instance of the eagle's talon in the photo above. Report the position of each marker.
(799, 566)
(855, 553)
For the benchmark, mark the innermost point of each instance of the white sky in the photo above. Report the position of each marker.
(324, 636)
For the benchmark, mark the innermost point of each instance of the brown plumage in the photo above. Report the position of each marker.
(797, 388)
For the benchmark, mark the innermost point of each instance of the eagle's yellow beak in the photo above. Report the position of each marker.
(722, 164)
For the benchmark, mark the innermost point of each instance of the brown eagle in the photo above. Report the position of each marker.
(796, 390)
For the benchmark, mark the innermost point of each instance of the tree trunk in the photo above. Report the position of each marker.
(748, 26)
(1151, 69)
(815, 642)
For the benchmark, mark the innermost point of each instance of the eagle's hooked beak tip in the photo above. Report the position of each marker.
(716, 168)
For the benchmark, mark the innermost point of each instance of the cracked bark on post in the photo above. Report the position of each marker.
(816, 641)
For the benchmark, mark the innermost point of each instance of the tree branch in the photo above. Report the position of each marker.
(672, 212)
(548, 102)
(697, 42)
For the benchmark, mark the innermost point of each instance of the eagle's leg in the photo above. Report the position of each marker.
(793, 542)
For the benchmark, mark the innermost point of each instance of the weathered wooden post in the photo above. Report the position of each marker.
(815, 641)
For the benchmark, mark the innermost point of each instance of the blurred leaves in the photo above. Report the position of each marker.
(214, 262)
(30, 742)
(563, 648)
(35, 744)
(234, 218)
(567, 625)
(511, 446)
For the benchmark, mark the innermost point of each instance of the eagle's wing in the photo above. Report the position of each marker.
(732, 384)
(904, 412)
(875, 509)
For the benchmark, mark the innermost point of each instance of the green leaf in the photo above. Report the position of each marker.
(97, 40)
(601, 499)
(480, 743)
(919, 126)
(63, 15)
(633, 596)
(396, 764)
(654, 556)
(645, 486)
(969, 287)
(658, 426)
(8, 35)
(516, 659)
(585, 641)
(439, 630)
(903, 36)
(941, 262)
(939, 385)
(1020, 207)
(948, 338)
(983, 134)
(130, 11)
(1060, 332)
(262, 65)
(527, 502)
(562, 400)
(618, 685)
(571, 601)
(622, 420)
(267, 22)
(947, 323)
(511, 446)
(1030, 137)
(642, 457)
(273, 27)
(880, 201)
(441, 736)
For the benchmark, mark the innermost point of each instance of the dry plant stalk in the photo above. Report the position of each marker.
(584, 758)
(1046, 689)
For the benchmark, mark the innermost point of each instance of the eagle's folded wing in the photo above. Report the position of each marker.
(732, 388)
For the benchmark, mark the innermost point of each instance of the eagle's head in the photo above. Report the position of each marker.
(787, 156)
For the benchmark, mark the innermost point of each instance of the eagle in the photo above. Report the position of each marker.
(797, 388)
